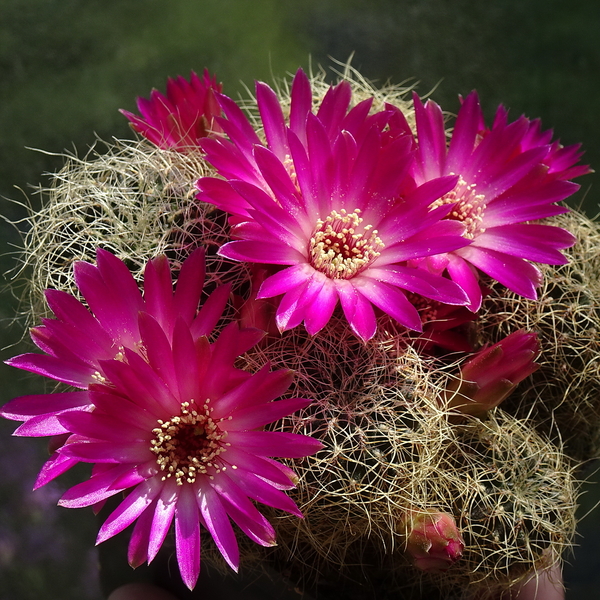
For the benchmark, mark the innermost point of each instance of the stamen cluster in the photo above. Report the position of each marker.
(338, 250)
(187, 444)
(469, 207)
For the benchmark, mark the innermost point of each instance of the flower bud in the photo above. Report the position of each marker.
(433, 541)
(492, 374)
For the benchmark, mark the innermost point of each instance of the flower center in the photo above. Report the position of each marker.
(340, 251)
(470, 207)
(187, 444)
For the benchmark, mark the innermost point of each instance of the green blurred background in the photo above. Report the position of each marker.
(66, 66)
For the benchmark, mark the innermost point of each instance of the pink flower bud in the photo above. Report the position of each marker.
(434, 541)
(182, 117)
(492, 374)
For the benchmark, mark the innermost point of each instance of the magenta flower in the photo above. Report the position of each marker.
(166, 416)
(76, 341)
(434, 541)
(181, 118)
(493, 373)
(329, 199)
(508, 176)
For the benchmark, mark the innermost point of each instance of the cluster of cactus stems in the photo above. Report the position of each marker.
(449, 457)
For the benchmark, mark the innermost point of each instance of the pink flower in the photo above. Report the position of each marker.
(493, 373)
(166, 417)
(77, 340)
(329, 200)
(508, 176)
(179, 120)
(434, 541)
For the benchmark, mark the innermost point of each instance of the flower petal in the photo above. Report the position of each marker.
(25, 407)
(130, 509)
(357, 309)
(95, 489)
(391, 300)
(538, 243)
(56, 465)
(163, 517)
(218, 524)
(258, 416)
(268, 252)
(243, 512)
(187, 536)
(515, 273)
(274, 443)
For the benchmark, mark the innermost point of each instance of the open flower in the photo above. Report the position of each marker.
(508, 176)
(329, 199)
(78, 339)
(166, 417)
(181, 118)
(493, 373)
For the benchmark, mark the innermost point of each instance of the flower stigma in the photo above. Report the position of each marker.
(338, 250)
(186, 445)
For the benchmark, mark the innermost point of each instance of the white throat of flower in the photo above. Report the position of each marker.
(341, 247)
(469, 209)
(187, 444)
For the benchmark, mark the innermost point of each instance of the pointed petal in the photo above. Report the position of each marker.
(272, 118)
(267, 252)
(77, 374)
(274, 443)
(218, 524)
(25, 407)
(420, 281)
(243, 512)
(285, 280)
(265, 468)
(467, 277)
(107, 452)
(163, 516)
(322, 308)
(539, 243)
(258, 416)
(357, 309)
(137, 551)
(301, 104)
(56, 465)
(103, 427)
(42, 426)
(263, 492)
(158, 349)
(187, 536)
(515, 273)
(130, 509)
(211, 312)
(464, 134)
(390, 300)
(94, 490)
